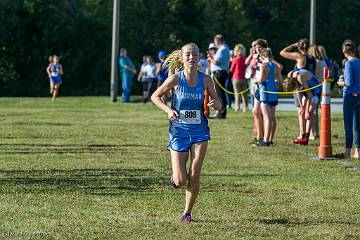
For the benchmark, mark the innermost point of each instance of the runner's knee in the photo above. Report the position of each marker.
(257, 111)
(179, 180)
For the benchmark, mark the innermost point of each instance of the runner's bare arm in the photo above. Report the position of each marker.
(278, 68)
(171, 82)
(61, 71)
(278, 76)
(48, 70)
(303, 77)
(286, 53)
(248, 59)
(263, 73)
(210, 86)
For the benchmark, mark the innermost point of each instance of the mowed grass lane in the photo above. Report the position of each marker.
(85, 168)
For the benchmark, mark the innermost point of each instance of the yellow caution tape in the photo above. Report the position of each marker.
(280, 93)
(227, 91)
(298, 91)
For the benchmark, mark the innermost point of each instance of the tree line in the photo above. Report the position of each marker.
(80, 32)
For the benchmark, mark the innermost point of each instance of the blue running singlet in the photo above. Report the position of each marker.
(191, 126)
(312, 83)
(269, 85)
(55, 75)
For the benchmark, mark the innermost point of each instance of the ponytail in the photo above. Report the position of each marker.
(173, 62)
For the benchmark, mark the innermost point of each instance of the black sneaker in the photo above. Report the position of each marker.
(261, 143)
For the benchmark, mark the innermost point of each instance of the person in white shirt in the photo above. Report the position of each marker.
(143, 80)
(150, 76)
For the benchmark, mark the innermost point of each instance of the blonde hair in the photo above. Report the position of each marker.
(322, 51)
(314, 51)
(239, 49)
(173, 63)
(266, 52)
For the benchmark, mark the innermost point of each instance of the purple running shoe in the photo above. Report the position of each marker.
(186, 218)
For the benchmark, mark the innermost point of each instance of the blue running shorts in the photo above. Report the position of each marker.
(183, 144)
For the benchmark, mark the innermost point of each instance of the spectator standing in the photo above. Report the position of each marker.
(127, 71)
(323, 55)
(143, 80)
(161, 72)
(298, 52)
(220, 64)
(250, 71)
(239, 82)
(210, 54)
(266, 81)
(260, 44)
(229, 85)
(319, 74)
(351, 95)
(150, 75)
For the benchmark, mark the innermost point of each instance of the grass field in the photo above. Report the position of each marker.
(85, 168)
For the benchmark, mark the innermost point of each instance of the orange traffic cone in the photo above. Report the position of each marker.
(325, 149)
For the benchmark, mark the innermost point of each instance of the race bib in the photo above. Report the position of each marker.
(190, 116)
(54, 74)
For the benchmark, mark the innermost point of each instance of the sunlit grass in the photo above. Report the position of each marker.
(85, 168)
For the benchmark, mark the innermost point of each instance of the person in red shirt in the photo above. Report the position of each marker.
(237, 69)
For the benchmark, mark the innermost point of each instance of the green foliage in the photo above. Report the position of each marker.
(80, 31)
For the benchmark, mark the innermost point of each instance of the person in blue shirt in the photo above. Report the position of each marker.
(55, 71)
(268, 101)
(188, 130)
(351, 96)
(299, 80)
(161, 72)
(127, 72)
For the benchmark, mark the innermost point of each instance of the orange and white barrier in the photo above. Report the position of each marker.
(325, 149)
(206, 101)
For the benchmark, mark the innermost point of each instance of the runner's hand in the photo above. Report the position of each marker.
(211, 103)
(214, 104)
(172, 115)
